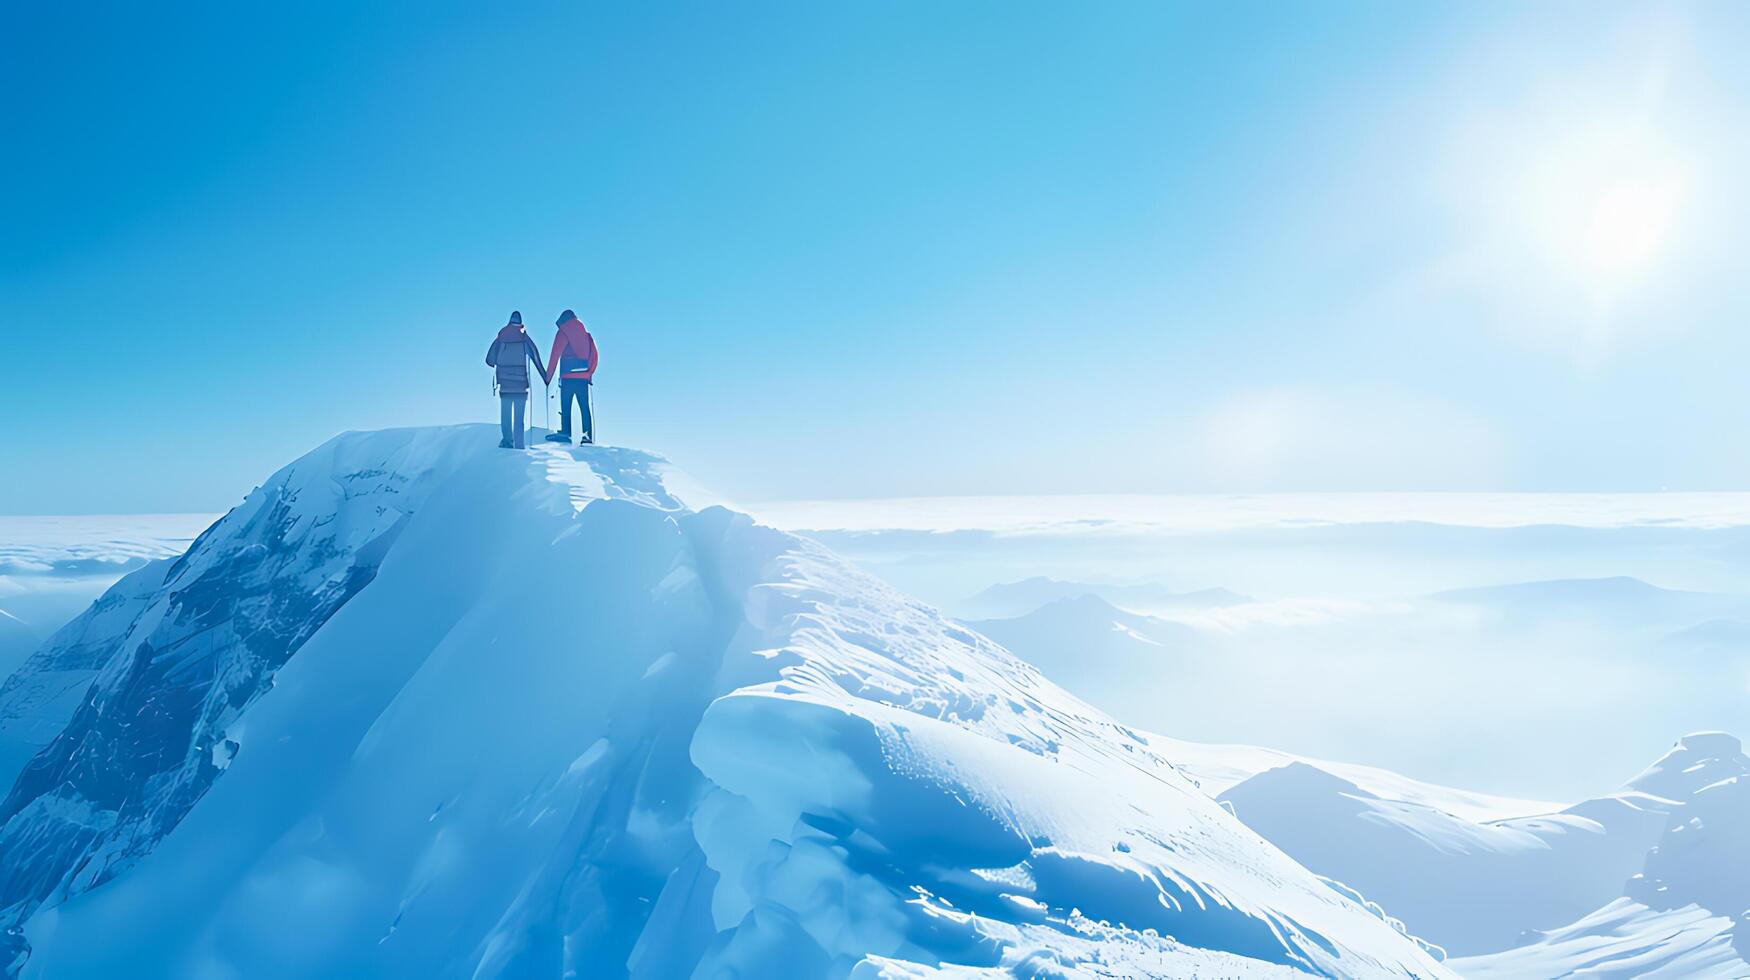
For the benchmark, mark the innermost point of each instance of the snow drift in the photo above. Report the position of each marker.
(421, 707)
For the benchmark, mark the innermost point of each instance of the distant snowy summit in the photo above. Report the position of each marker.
(422, 707)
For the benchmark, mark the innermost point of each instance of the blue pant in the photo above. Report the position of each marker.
(510, 417)
(574, 389)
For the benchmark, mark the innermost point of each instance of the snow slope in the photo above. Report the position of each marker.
(421, 707)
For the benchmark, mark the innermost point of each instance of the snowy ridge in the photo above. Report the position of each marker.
(1217, 768)
(1646, 879)
(420, 707)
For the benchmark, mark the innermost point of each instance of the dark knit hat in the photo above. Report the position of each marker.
(516, 317)
(567, 315)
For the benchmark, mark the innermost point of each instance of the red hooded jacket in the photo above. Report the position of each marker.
(577, 348)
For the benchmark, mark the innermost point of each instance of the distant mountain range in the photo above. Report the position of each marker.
(1619, 600)
(1010, 599)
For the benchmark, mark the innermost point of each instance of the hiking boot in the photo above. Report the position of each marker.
(505, 444)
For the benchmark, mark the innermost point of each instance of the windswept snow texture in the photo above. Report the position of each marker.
(424, 708)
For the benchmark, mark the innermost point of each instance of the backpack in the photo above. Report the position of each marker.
(511, 364)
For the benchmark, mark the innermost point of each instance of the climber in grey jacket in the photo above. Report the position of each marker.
(510, 354)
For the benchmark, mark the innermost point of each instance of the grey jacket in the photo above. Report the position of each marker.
(510, 354)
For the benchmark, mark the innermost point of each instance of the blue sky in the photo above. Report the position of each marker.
(880, 249)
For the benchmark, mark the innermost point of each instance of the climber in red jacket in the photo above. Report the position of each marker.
(574, 354)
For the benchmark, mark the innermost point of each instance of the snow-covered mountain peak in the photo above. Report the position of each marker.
(1301, 777)
(424, 707)
(1086, 605)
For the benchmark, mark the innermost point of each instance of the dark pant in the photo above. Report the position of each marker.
(510, 417)
(574, 389)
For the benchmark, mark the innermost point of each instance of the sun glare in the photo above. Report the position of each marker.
(1630, 222)
(1600, 209)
